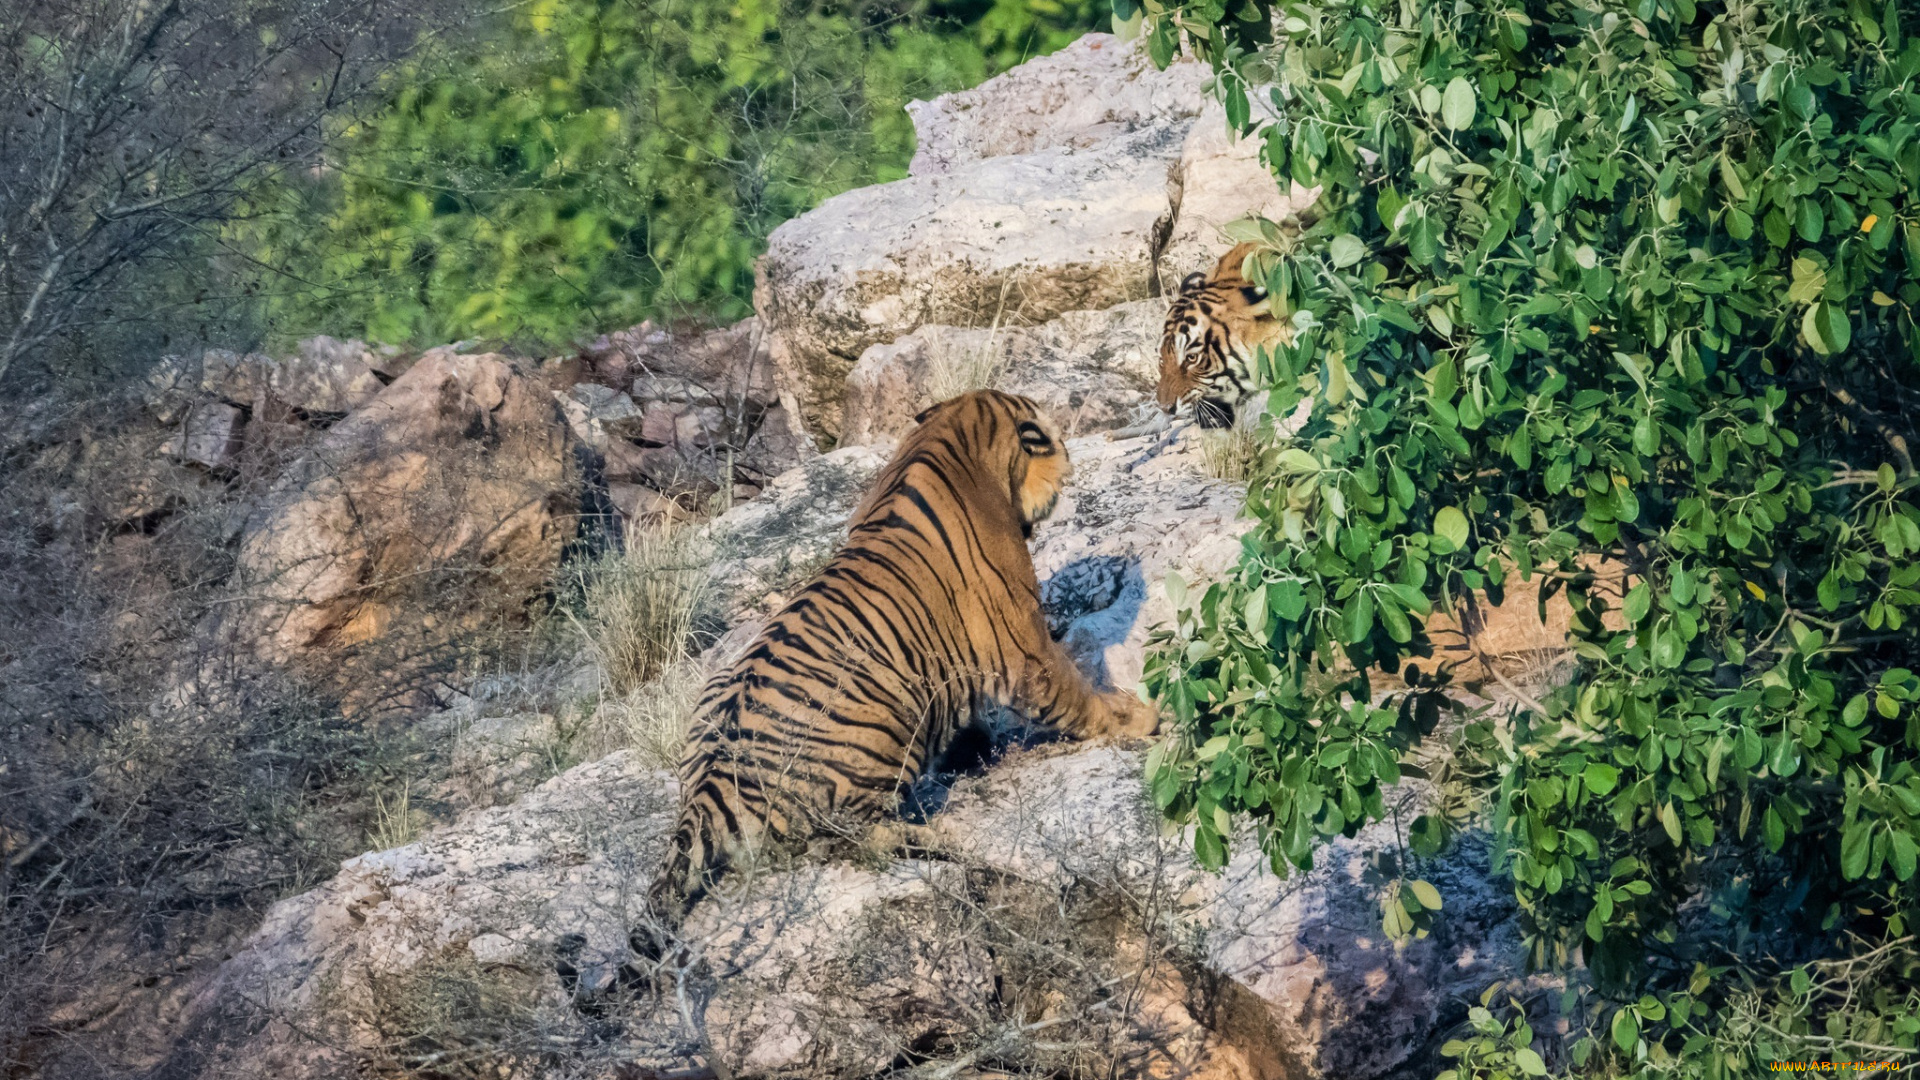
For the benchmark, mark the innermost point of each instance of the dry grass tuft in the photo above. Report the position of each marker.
(651, 721)
(1229, 454)
(637, 606)
(954, 370)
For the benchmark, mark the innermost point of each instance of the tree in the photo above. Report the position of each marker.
(614, 160)
(130, 129)
(1594, 282)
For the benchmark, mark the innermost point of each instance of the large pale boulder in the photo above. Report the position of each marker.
(1091, 370)
(325, 375)
(443, 502)
(839, 968)
(1092, 90)
(1002, 241)
(1129, 517)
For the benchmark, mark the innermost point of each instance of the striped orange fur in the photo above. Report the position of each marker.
(930, 611)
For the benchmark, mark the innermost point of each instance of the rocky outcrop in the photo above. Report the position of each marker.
(1074, 182)
(1092, 90)
(501, 886)
(1344, 999)
(1007, 240)
(1092, 370)
(777, 541)
(444, 500)
(1043, 908)
(700, 402)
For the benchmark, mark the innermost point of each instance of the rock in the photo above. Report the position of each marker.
(210, 435)
(684, 425)
(501, 884)
(1342, 997)
(445, 499)
(598, 414)
(1086, 93)
(1005, 240)
(391, 361)
(838, 968)
(1092, 370)
(1220, 179)
(497, 758)
(232, 377)
(730, 364)
(779, 539)
(780, 443)
(1104, 555)
(643, 507)
(325, 376)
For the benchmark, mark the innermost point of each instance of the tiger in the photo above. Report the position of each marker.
(1214, 326)
(929, 610)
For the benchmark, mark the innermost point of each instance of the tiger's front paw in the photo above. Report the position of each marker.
(1128, 716)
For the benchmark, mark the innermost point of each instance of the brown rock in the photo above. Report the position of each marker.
(441, 503)
(644, 507)
(325, 376)
(210, 435)
(726, 365)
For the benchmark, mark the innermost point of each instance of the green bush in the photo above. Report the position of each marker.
(1622, 280)
(597, 162)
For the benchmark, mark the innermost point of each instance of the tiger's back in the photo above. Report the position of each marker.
(930, 610)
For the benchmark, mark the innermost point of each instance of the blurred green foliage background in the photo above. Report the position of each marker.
(586, 164)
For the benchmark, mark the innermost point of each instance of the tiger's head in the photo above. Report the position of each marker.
(1010, 436)
(1207, 348)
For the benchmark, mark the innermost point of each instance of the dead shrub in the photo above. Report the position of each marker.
(1229, 455)
(452, 1018)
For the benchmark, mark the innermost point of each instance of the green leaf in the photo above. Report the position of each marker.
(1856, 843)
(1288, 599)
(1295, 460)
(1901, 852)
(1626, 1030)
(1529, 1062)
(1346, 250)
(1176, 590)
(1639, 601)
(1359, 617)
(1600, 777)
(1670, 821)
(1428, 896)
(1855, 713)
(1458, 104)
(1451, 525)
(1256, 610)
(1835, 328)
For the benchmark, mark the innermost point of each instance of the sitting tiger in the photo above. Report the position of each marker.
(1207, 348)
(930, 610)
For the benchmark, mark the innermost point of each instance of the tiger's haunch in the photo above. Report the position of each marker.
(930, 610)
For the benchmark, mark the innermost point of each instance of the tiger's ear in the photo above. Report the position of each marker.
(1229, 268)
(1035, 439)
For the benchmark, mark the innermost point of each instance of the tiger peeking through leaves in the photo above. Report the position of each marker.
(1215, 325)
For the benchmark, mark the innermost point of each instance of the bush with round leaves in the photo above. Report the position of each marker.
(1595, 288)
